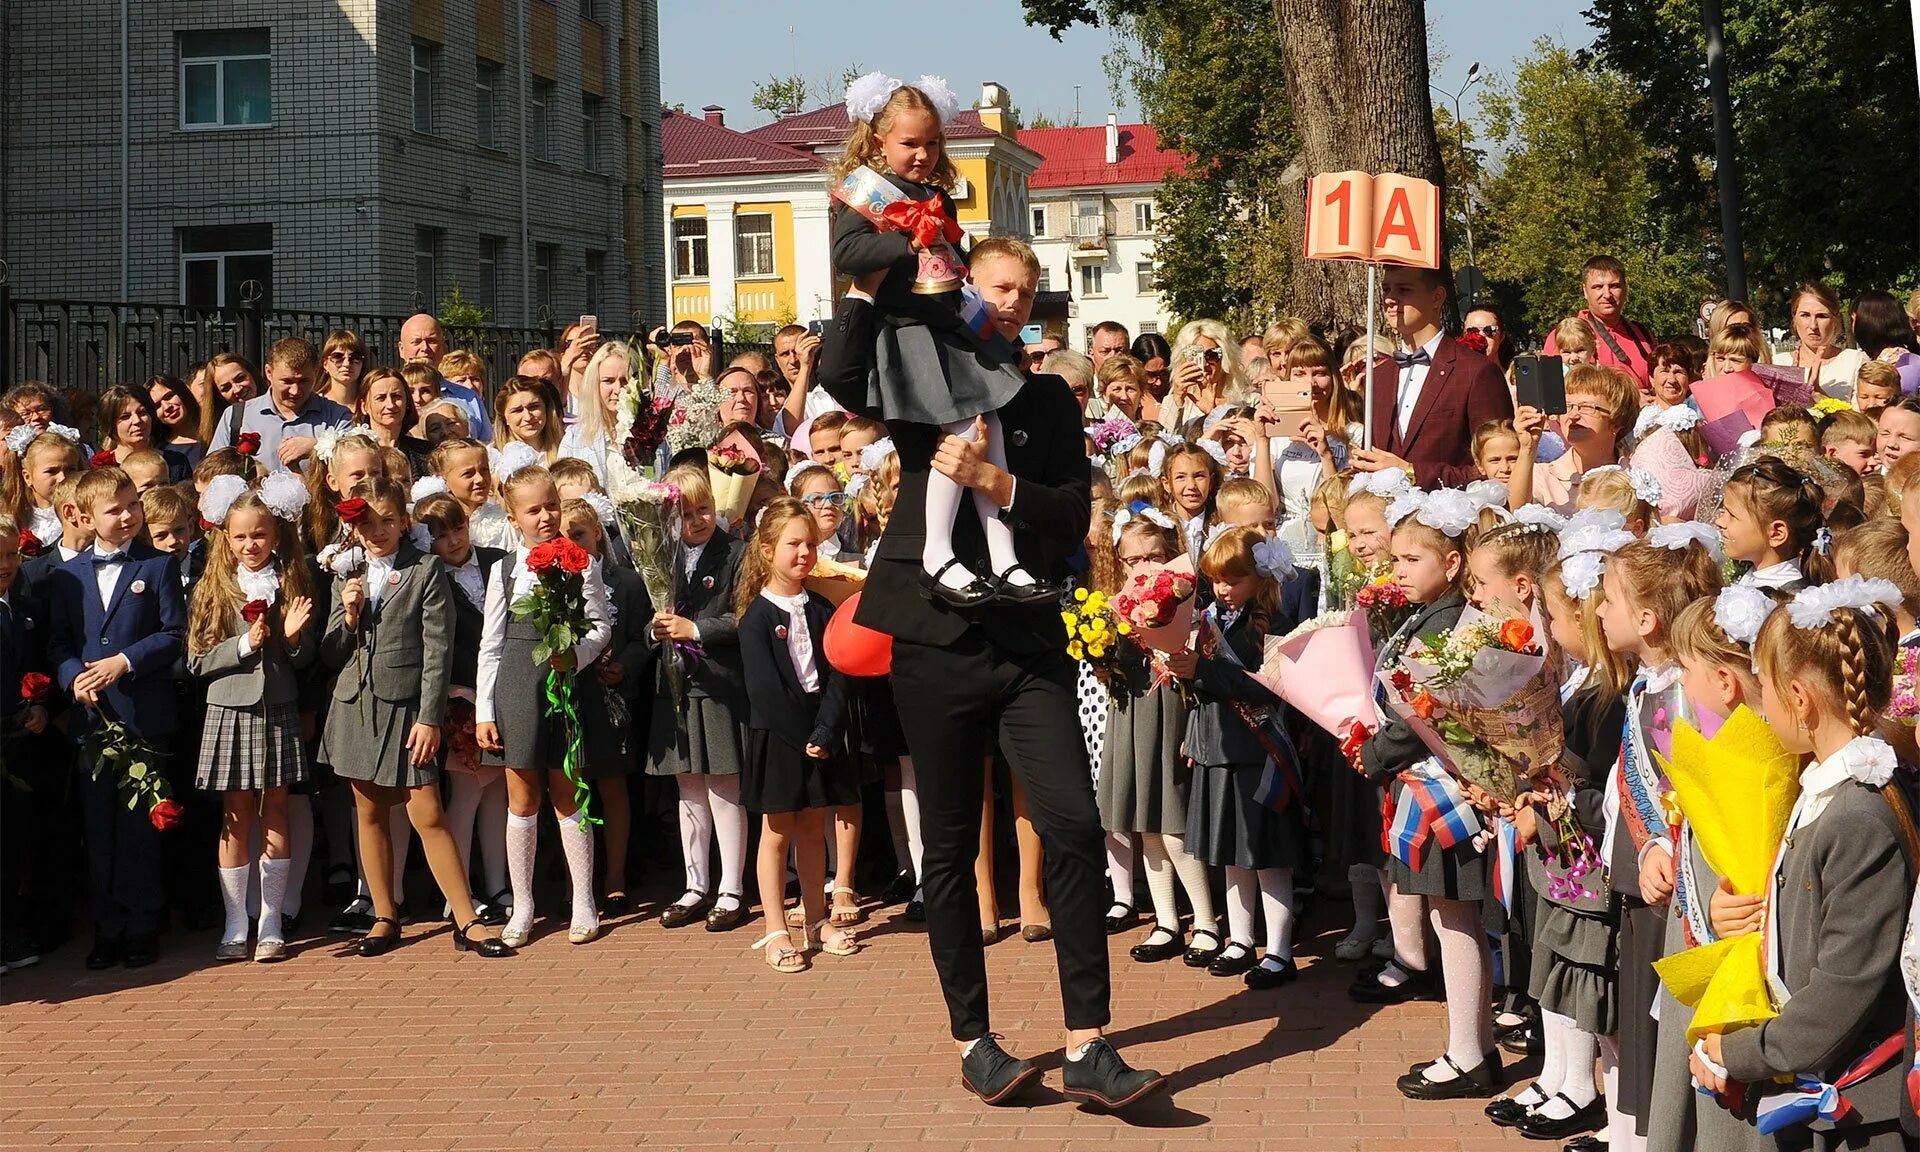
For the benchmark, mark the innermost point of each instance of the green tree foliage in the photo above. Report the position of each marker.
(1827, 132)
(782, 94)
(1578, 180)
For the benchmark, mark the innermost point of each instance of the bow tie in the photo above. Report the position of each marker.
(110, 557)
(1407, 359)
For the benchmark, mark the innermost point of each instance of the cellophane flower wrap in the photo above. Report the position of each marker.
(1094, 632)
(695, 420)
(1324, 668)
(1109, 432)
(557, 606)
(644, 420)
(649, 516)
(1737, 792)
(1906, 687)
(1157, 605)
(733, 471)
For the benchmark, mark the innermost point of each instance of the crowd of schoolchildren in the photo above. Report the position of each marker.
(292, 668)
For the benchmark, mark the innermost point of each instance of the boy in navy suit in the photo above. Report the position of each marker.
(119, 622)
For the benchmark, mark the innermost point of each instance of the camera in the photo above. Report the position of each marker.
(667, 338)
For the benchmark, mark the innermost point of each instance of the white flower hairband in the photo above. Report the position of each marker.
(1581, 573)
(20, 437)
(1677, 536)
(427, 486)
(875, 454)
(1386, 483)
(282, 492)
(1127, 444)
(1813, 607)
(602, 507)
(1541, 516)
(324, 443)
(1740, 610)
(516, 455)
(1487, 493)
(1274, 558)
(870, 93)
(1449, 511)
(1216, 450)
(1645, 484)
(1147, 512)
(422, 537)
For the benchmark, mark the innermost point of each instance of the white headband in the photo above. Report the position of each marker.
(1813, 607)
(875, 454)
(1541, 516)
(427, 486)
(1449, 511)
(1386, 483)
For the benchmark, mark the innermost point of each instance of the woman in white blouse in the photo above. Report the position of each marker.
(613, 369)
(1820, 350)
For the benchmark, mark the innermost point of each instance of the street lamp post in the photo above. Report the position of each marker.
(1460, 129)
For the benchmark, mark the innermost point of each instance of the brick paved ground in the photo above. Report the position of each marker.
(680, 1039)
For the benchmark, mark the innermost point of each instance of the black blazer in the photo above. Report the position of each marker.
(469, 620)
(705, 596)
(632, 646)
(1052, 503)
(860, 248)
(775, 702)
(1395, 748)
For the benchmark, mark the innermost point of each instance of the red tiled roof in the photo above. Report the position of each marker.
(1077, 157)
(828, 126)
(694, 148)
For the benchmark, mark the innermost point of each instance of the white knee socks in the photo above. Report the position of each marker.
(299, 851)
(1193, 878)
(523, 836)
(942, 505)
(273, 893)
(233, 894)
(1276, 900)
(696, 830)
(730, 831)
(1404, 916)
(1166, 914)
(1552, 1057)
(1120, 867)
(1566, 1067)
(576, 838)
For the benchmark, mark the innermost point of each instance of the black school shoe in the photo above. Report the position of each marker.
(1101, 1078)
(1481, 1082)
(1417, 986)
(990, 1073)
(1586, 1144)
(1161, 944)
(1260, 977)
(141, 950)
(104, 954)
(1586, 1118)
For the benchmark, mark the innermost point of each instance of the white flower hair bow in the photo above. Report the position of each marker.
(324, 442)
(1750, 437)
(1588, 532)
(601, 505)
(1404, 503)
(1274, 558)
(1214, 449)
(285, 494)
(1148, 513)
(1677, 536)
(1486, 493)
(1581, 573)
(1813, 607)
(66, 432)
(856, 484)
(868, 94)
(1157, 457)
(875, 454)
(1386, 483)
(427, 486)
(1448, 510)
(1541, 516)
(1740, 610)
(935, 89)
(1868, 759)
(218, 499)
(1645, 484)
(19, 437)
(1213, 533)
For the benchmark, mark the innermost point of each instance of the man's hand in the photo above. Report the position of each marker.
(965, 463)
(1378, 460)
(294, 449)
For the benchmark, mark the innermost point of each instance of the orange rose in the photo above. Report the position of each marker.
(1424, 704)
(1516, 634)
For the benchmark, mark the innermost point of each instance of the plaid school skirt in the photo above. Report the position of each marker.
(242, 750)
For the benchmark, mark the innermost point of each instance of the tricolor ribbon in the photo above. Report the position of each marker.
(1506, 844)
(1812, 1098)
(1437, 811)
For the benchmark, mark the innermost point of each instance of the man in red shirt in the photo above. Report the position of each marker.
(1620, 342)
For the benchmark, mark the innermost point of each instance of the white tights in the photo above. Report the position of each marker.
(480, 796)
(1167, 856)
(943, 504)
(1275, 886)
(710, 810)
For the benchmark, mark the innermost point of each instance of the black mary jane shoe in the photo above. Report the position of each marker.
(1522, 1039)
(1584, 1119)
(1120, 917)
(615, 904)
(916, 912)
(970, 595)
(680, 913)
(1585, 1144)
(1260, 977)
(1417, 986)
(492, 947)
(1162, 943)
(727, 919)
(1504, 1111)
(496, 911)
(1035, 591)
(1481, 1081)
(371, 945)
(1198, 957)
(900, 889)
(1234, 960)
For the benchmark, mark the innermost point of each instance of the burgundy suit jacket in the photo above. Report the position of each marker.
(1462, 391)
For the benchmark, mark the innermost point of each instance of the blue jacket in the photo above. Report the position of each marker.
(146, 622)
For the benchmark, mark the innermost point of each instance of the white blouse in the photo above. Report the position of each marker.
(800, 649)
(493, 635)
(1836, 375)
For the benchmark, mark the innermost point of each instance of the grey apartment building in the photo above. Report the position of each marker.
(365, 156)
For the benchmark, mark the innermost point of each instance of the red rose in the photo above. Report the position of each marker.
(1400, 680)
(352, 511)
(35, 686)
(252, 610)
(1475, 341)
(31, 545)
(102, 459)
(247, 443)
(544, 556)
(166, 814)
(1516, 634)
(572, 557)
(1424, 705)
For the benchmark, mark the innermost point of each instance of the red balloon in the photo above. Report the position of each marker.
(855, 649)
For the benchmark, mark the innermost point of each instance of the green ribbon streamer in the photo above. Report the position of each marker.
(560, 703)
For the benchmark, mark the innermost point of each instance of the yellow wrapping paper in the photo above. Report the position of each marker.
(1736, 791)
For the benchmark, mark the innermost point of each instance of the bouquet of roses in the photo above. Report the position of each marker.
(1110, 432)
(1906, 678)
(1324, 668)
(1157, 606)
(1489, 682)
(1380, 596)
(645, 418)
(1094, 629)
(557, 606)
(733, 469)
(696, 417)
(141, 780)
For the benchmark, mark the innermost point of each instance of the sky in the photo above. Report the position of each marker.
(714, 51)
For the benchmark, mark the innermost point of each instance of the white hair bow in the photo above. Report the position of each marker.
(1147, 512)
(1593, 538)
(1486, 493)
(427, 486)
(1541, 516)
(284, 493)
(1216, 450)
(868, 94)
(1581, 573)
(1157, 457)
(1677, 536)
(1449, 511)
(875, 454)
(1740, 610)
(1274, 558)
(324, 442)
(856, 484)
(19, 437)
(1404, 503)
(516, 455)
(1213, 533)
(935, 89)
(1645, 484)
(422, 538)
(1868, 759)
(1386, 483)
(1813, 607)
(601, 505)
(1679, 418)
(218, 499)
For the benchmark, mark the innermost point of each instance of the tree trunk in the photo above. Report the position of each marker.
(1356, 73)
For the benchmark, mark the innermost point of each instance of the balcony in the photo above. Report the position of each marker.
(1087, 236)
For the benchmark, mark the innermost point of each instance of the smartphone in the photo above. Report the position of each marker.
(1541, 382)
(588, 326)
(816, 327)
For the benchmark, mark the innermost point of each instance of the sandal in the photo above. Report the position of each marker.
(843, 943)
(843, 915)
(784, 957)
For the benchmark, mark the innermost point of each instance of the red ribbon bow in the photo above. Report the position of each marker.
(924, 221)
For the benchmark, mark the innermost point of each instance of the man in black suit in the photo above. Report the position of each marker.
(962, 675)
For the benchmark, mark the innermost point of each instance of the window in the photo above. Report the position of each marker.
(1090, 280)
(590, 9)
(426, 268)
(226, 79)
(753, 244)
(1040, 221)
(1143, 277)
(216, 262)
(1147, 326)
(537, 120)
(488, 291)
(590, 131)
(1143, 215)
(543, 257)
(1088, 219)
(596, 271)
(690, 248)
(486, 79)
(424, 55)
(1046, 280)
